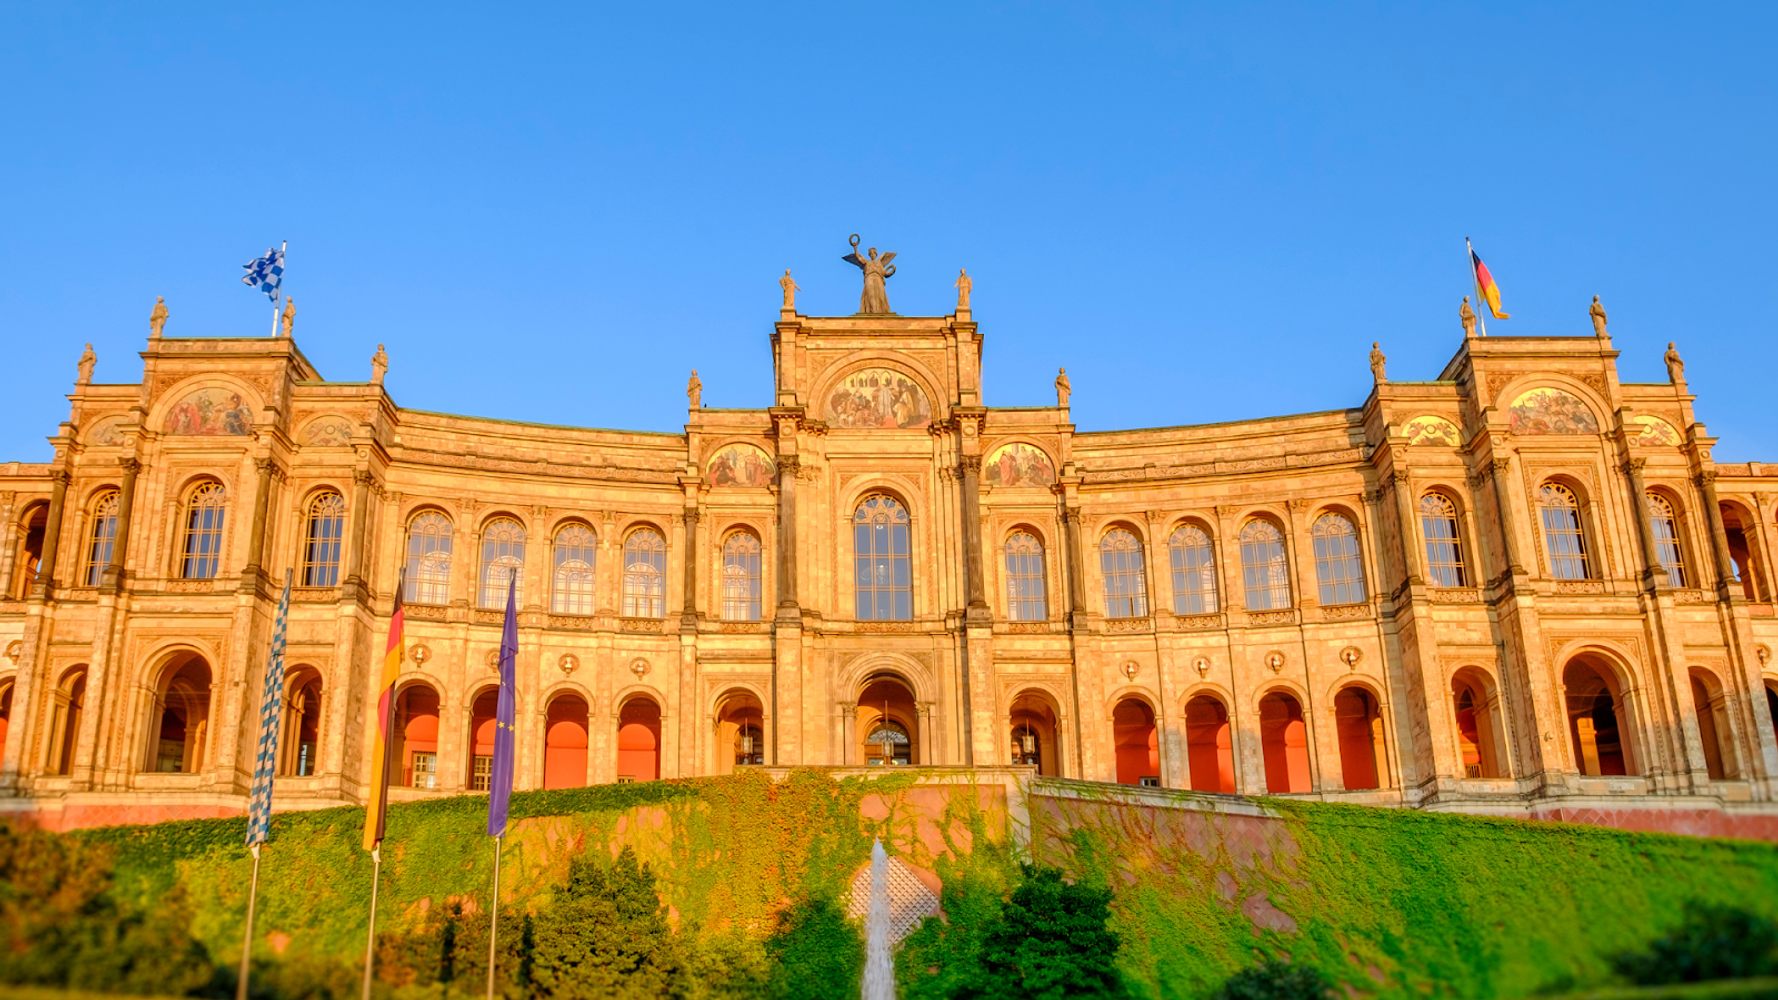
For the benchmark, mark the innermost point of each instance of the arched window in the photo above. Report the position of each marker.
(576, 553)
(1265, 574)
(1194, 571)
(203, 532)
(882, 571)
(103, 538)
(1337, 568)
(740, 577)
(321, 553)
(645, 574)
(1562, 538)
(503, 560)
(891, 736)
(1120, 565)
(429, 560)
(1666, 531)
(1026, 598)
(1444, 550)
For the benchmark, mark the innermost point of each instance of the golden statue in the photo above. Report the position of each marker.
(158, 318)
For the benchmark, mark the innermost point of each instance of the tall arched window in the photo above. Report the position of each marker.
(202, 550)
(882, 570)
(1444, 550)
(103, 538)
(1265, 573)
(571, 587)
(429, 560)
(503, 560)
(1194, 571)
(1666, 531)
(1562, 538)
(321, 552)
(1126, 584)
(740, 577)
(645, 574)
(1027, 600)
(1337, 568)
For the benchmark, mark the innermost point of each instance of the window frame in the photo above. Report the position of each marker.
(1131, 600)
(640, 603)
(506, 553)
(421, 586)
(199, 499)
(744, 601)
(1180, 570)
(1338, 551)
(882, 601)
(574, 598)
(1557, 561)
(1677, 571)
(1252, 582)
(101, 535)
(323, 573)
(1453, 569)
(1029, 566)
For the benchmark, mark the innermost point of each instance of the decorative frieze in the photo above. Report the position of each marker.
(573, 623)
(424, 612)
(1580, 586)
(1456, 595)
(1285, 617)
(1129, 624)
(1343, 612)
(654, 625)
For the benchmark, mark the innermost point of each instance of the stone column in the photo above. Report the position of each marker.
(788, 466)
(1719, 538)
(363, 485)
(1498, 468)
(1404, 514)
(52, 534)
(112, 579)
(251, 574)
(1652, 572)
(972, 533)
(690, 615)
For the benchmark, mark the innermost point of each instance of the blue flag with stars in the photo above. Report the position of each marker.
(266, 273)
(500, 776)
(271, 704)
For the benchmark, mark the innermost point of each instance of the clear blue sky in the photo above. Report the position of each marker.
(553, 213)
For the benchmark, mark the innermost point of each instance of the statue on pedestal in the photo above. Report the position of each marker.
(694, 390)
(87, 361)
(1675, 367)
(158, 318)
(1063, 388)
(379, 363)
(1597, 312)
(1467, 315)
(289, 315)
(877, 270)
(1377, 361)
(790, 290)
(963, 287)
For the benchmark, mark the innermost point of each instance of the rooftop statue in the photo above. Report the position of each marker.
(379, 363)
(1675, 367)
(1377, 361)
(87, 361)
(1467, 315)
(1063, 388)
(790, 290)
(158, 318)
(877, 270)
(694, 390)
(1598, 315)
(289, 315)
(963, 286)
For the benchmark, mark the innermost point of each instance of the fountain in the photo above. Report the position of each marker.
(879, 961)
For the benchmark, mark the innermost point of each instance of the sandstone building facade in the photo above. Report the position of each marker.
(1523, 587)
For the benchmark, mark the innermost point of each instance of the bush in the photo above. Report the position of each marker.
(1050, 941)
(815, 952)
(1275, 981)
(608, 936)
(1710, 942)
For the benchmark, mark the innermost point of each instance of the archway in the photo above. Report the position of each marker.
(565, 742)
(1209, 745)
(416, 735)
(639, 740)
(1137, 742)
(1741, 550)
(482, 718)
(740, 737)
(181, 738)
(64, 728)
(302, 724)
(30, 550)
(1714, 732)
(5, 716)
(1358, 724)
(1034, 724)
(1598, 723)
(1478, 725)
(888, 723)
(1284, 740)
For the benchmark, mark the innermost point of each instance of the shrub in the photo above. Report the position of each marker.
(1710, 942)
(607, 937)
(1050, 941)
(1275, 981)
(815, 952)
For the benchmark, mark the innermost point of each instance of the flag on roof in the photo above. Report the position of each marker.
(1485, 288)
(266, 273)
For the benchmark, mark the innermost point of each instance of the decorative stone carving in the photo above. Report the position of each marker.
(1202, 666)
(568, 664)
(1274, 661)
(379, 365)
(789, 287)
(1466, 315)
(573, 623)
(963, 285)
(1580, 586)
(1456, 595)
(419, 652)
(1597, 314)
(1285, 617)
(694, 390)
(641, 624)
(743, 628)
(1377, 363)
(157, 318)
(1340, 612)
(639, 667)
(1129, 624)
(1130, 669)
(1351, 655)
(877, 271)
(1198, 622)
(289, 318)
(875, 627)
(87, 360)
(14, 650)
(1675, 367)
(1063, 388)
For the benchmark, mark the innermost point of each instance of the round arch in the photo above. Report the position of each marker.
(1209, 739)
(1599, 704)
(738, 728)
(1035, 723)
(1716, 728)
(888, 721)
(1284, 738)
(922, 377)
(300, 725)
(640, 717)
(1479, 718)
(179, 729)
(567, 735)
(1135, 737)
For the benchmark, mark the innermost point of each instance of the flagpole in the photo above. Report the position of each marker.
(370, 943)
(1481, 301)
(247, 945)
(494, 917)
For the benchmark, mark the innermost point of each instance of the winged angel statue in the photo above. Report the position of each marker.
(877, 270)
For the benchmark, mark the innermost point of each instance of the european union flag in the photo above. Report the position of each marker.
(500, 780)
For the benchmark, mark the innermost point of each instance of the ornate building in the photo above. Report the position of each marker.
(1522, 587)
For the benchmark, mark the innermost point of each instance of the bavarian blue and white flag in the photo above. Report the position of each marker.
(271, 710)
(266, 273)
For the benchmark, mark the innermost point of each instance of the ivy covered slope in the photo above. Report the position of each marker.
(1385, 901)
(1392, 903)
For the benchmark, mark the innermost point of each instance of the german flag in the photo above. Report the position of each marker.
(1485, 288)
(377, 806)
